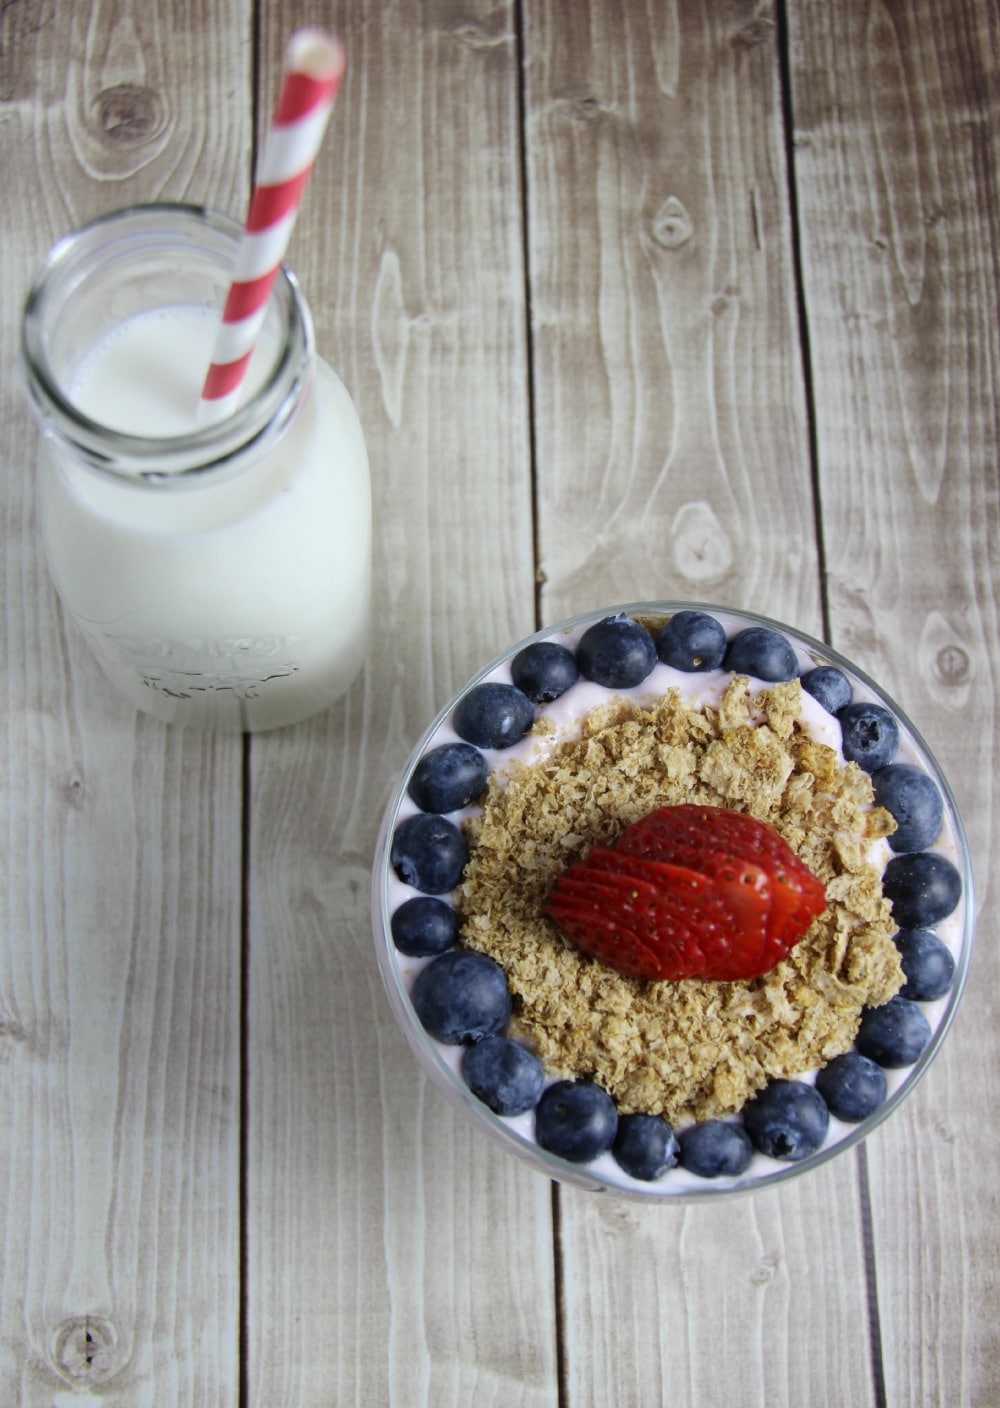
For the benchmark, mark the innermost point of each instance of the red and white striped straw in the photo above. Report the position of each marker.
(314, 66)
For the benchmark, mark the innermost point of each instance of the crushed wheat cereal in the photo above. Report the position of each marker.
(686, 1050)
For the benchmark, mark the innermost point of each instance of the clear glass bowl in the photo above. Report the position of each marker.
(442, 1063)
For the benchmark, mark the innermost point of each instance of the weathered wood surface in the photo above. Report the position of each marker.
(663, 294)
(120, 954)
(635, 300)
(376, 1272)
(900, 294)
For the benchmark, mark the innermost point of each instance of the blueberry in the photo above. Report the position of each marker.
(424, 926)
(576, 1120)
(915, 802)
(462, 996)
(895, 1034)
(870, 735)
(505, 1075)
(544, 670)
(763, 653)
(616, 652)
(715, 1147)
(429, 853)
(787, 1120)
(927, 964)
(853, 1086)
(645, 1146)
(449, 777)
(828, 686)
(691, 641)
(922, 888)
(493, 715)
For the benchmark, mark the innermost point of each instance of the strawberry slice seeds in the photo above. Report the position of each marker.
(689, 892)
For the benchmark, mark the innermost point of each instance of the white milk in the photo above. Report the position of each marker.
(235, 603)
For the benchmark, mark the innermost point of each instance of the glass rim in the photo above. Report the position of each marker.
(207, 450)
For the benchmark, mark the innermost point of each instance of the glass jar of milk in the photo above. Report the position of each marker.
(220, 572)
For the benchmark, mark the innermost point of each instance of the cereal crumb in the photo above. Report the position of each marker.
(686, 1050)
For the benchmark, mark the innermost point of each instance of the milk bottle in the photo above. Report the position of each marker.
(219, 572)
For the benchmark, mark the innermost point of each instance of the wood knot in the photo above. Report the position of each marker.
(764, 1270)
(946, 663)
(85, 1348)
(703, 550)
(671, 225)
(13, 1034)
(591, 109)
(128, 114)
(75, 791)
(725, 301)
(754, 32)
(952, 665)
(475, 36)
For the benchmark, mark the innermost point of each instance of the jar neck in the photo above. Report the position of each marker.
(136, 261)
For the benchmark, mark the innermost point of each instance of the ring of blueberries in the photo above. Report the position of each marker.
(461, 997)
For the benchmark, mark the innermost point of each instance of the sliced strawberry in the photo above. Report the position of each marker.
(715, 840)
(689, 892)
(630, 924)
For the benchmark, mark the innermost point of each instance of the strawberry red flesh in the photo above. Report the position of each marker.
(689, 892)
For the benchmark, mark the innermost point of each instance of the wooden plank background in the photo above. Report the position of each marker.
(901, 297)
(376, 1273)
(120, 984)
(635, 299)
(663, 136)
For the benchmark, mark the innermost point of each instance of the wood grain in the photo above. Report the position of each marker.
(120, 957)
(674, 462)
(896, 157)
(747, 1301)
(670, 415)
(392, 1257)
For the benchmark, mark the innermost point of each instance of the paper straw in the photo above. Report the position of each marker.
(313, 68)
